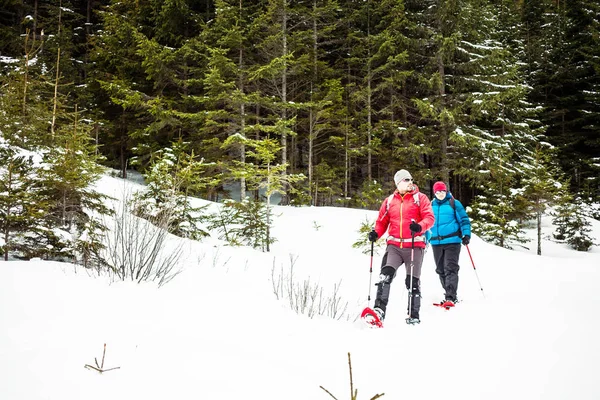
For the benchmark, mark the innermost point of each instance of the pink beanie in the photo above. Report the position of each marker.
(439, 186)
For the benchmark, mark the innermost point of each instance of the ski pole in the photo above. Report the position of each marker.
(475, 269)
(412, 264)
(370, 274)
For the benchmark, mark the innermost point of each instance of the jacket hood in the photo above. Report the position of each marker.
(448, 197)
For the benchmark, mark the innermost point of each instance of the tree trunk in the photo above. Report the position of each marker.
(242, 110)
(284, 197)
(444, 173)
(539, 232)
(369, 110)
(55, 104)
(312, 116)
(7, 214)
(310, 149)
(284, 84)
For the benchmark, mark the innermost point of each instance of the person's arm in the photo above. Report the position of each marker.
(383, 220)
(463, 219)
(427, 217)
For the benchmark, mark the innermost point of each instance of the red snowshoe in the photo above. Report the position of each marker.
(371, 318)
(447, 304)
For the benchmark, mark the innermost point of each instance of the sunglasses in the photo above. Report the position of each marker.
(407, 180)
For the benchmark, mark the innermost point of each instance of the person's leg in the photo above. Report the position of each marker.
(451, 267)
(438, 257)
(393, 260)
(413, 280)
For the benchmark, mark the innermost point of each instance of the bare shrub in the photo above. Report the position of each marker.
(353, 391)
(137, 248)
(307, 297)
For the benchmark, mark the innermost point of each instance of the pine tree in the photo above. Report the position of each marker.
(262, 172)
(243, 223)
(570, 89)
(494, 128)
(271, 77)
(225, 81)
(150, 62)
(401, 144)
(541, 189)
(25, 112)
(571, 224)
(171, 178)
(76, 208)
(23, 205)
(324, 101)
(359, 46)
(494, 209)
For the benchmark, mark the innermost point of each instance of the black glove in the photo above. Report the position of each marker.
(373, 236)
(466, 240)
(414, 227)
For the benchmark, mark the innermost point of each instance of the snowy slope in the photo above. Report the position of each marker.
(218, 332)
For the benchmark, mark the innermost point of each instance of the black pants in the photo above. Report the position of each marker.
(446, 261)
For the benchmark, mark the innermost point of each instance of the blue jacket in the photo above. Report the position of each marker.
(448, 221)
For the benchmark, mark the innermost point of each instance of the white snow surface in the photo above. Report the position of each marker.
(217, 330)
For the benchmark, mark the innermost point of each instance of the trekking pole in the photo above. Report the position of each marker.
(475, 269)
(412, 264)
(370, 274)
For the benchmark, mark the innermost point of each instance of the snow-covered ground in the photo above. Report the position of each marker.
(217, 330)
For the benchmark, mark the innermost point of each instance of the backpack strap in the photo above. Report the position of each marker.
(416, 198)
(387, 203)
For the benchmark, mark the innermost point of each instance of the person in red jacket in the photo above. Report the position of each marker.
(406, 215)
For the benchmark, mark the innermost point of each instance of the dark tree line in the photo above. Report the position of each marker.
(488, 95)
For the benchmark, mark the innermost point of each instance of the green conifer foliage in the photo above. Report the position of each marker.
(23, 205)
(541, 189)
(572, 225)
(261, 171)
(76, 208)
(166, 202)
(243, 223)
(570, 90)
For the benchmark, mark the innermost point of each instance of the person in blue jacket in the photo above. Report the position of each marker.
(451, 228)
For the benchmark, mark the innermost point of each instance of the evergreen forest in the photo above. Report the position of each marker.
(318, 101)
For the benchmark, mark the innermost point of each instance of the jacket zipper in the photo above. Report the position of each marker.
(401, 220)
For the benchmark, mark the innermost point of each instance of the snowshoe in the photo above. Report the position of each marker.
(371, 318)
(447, 304)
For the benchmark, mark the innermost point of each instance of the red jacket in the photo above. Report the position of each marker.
(400, 213)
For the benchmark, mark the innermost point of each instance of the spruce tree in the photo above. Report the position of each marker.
(172, 178)
(76, 208)
(225, 81)
(23, 205)
(541, 189)
(272, 74)
(148, 59)
(572, 225)
(262, 172)
(570, 90)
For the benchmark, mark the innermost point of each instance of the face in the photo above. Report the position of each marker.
(405, 185)
(440, 194)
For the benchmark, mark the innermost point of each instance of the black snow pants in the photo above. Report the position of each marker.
(446, 261)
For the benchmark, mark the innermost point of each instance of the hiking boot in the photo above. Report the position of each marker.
(380, 313)
(448, 303)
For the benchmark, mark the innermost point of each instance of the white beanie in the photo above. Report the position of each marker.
(401, 175)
